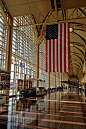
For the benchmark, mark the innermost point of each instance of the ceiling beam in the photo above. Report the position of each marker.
(77, 61)
(54, 22)
(79, 49)
(80, 29)
(32, 20)
(75, 64)
(45, 19)
(75, 67)
(56, 10)
(4, 15)
(74, 53)
(79, 36)
(84, 14)
(79, 57)
(42, 26)
(78, 44)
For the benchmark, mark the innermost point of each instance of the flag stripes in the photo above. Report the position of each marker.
(64, 47)
(68, 49)
(58, 51)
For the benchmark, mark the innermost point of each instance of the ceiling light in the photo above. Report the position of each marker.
(71, 45)
(71, 29)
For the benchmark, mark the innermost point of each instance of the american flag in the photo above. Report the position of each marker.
(58, 48)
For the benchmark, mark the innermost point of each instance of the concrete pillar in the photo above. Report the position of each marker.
(54, 80)
(9, 44)
(58, 79)
(37, 64)
(48, 80)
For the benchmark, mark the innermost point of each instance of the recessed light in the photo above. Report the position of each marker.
(71, 29)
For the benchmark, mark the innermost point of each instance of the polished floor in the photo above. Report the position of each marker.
(58, 110)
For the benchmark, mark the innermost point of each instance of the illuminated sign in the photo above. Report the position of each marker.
(13, 61)
(21, 64)
(31, 68)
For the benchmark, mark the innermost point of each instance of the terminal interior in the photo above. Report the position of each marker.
(30, 97)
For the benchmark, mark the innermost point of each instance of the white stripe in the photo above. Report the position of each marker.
(58, 47)
(66, 47)
(51, 55)
(48, 54)
(62, 47)
(55, 55)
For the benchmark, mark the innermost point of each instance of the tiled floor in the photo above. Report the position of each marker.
(58, 110)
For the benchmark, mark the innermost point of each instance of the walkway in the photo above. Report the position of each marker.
(56, 110)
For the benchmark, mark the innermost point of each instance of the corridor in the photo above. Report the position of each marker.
(58, 110)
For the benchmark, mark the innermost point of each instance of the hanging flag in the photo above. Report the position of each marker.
(58, 48)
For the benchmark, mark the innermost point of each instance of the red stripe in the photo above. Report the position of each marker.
(64, 47)
(46, 56)
(57, 55)
(49, 55)
(68, 49)
(60, 47)
(53, 55)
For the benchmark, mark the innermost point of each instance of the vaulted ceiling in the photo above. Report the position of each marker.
(48, 12)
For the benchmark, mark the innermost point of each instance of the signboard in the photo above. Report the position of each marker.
(21, 64)
(13, 61)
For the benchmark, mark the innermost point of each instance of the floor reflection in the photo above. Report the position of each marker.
(54, 110)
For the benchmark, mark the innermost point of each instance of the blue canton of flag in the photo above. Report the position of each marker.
(52, 32)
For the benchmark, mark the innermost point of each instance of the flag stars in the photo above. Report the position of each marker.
(52, 32)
